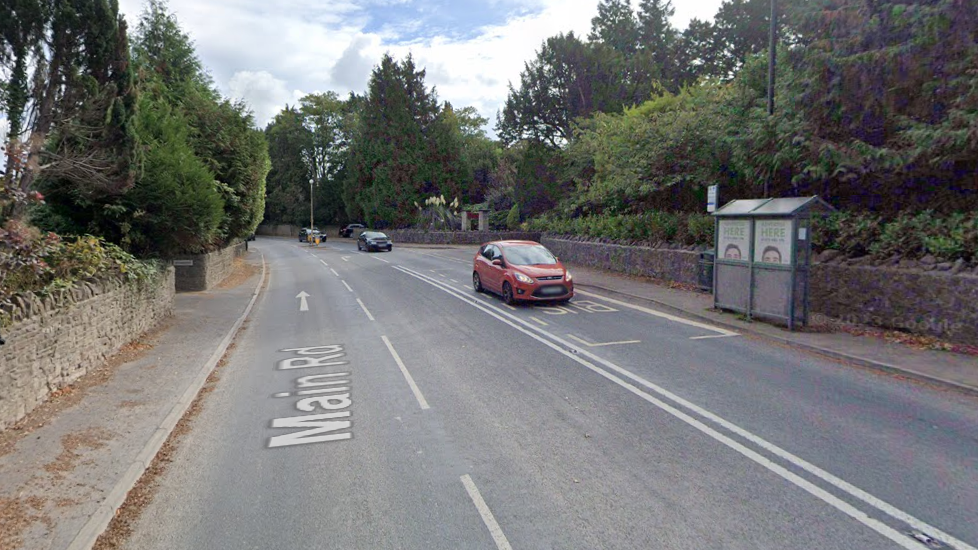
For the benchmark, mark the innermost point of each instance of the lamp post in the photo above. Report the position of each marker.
(312, 224)
(771, 63)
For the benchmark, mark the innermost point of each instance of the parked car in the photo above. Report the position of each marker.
(347, 230)
(374, 240)
(521, 271)
(305, 232)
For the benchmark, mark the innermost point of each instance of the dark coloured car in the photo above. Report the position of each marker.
(348, 230)
(521, 271)
(374, 240)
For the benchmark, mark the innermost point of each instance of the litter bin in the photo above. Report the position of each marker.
(705, 273)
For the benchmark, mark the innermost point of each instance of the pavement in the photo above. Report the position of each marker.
(935, 366)
(66, 469)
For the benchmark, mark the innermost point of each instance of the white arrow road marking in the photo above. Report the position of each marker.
(303, 304)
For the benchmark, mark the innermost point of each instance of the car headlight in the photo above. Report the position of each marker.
(568, 277)
(523, 279)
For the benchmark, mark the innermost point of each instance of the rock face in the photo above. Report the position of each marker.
(827, 256)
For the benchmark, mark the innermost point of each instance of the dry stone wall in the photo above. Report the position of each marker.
(54, 341)
(933, 300)
(414, 236)
(196, 272)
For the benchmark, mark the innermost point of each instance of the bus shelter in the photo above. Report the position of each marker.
(763, 257)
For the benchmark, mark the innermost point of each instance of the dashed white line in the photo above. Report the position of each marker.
(614, 373)
(380, 259)
(711, 336)
(453, 280)
(346, 285)
(407, 375)
(540, 321)
(364, 308)
(334, 272)
(497, 533)
(324, 263)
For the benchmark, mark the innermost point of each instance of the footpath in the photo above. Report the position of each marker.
(933, 366)
(67, 467)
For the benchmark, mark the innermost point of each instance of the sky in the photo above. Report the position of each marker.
(271, 53)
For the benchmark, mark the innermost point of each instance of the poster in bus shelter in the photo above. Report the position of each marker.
(734, 242)
(772, 242)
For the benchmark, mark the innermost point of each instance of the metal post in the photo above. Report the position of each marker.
(750, 267)
(772, 57)
(771, 65)
(312, 225)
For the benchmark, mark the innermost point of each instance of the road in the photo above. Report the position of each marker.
(437, 418)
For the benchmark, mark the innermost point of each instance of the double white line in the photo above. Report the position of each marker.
(652, 393)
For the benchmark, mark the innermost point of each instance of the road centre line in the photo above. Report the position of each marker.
(480, 504)
(612, 374)
(334, 272)
(655, 313)
(712, 336)
(364, 308)
(346, 285)
(596, 345)
(539, 321)
(380, 259)
(407, 375)
(324, 263)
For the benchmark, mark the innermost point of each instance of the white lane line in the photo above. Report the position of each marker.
(324, 263)
(712, 336)
(380, 259)
(497, 533)
(655, 313)
(454, 281)
(346, 285)
(364, 308)
(540, 322)
(510, 307)
(597, 345)
(561, 346)
(346, 258)
(334, 272)
(407, 375)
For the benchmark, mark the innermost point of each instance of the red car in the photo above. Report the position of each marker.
(521, 271)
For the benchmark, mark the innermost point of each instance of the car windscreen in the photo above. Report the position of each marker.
(529, 255)
(373, 235)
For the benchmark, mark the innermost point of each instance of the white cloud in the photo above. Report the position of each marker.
(262, 92)
(264, 52)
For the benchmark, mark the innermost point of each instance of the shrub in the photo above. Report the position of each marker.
(513, 219)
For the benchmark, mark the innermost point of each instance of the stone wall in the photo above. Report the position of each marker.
(277, 230)
(54, 341)
(660, 263)
(935, 303)
(196, 272)
(415, 236)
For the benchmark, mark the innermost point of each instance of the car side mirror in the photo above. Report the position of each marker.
(498, 262)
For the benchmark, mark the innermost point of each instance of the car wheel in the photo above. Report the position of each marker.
(508, 294)
(477, 282)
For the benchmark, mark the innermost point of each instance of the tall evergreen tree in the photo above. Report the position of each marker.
(615, 25)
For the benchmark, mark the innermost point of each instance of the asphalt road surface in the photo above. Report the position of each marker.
(376, 401)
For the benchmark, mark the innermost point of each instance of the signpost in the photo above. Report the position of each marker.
(711, 198)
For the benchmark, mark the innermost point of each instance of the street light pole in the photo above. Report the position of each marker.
(312, 225)
(771, 64)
